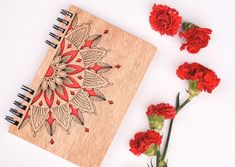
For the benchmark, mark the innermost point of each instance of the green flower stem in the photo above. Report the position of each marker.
(183, 104)
(167, 140)
(158, 158)
(178, 108)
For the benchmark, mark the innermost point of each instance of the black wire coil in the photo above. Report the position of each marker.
(58, 28)
(19, 105)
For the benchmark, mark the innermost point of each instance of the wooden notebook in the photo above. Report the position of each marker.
(82, 89)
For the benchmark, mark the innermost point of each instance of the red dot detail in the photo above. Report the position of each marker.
(86, 129)
(72, 92)
(52, 141)
(58, 102)
(40, 103)
(118, 66)
(110, 102)
(106, 31)
(69, 46)
(80, 77)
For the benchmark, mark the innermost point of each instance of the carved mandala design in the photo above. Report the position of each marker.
(71, 83)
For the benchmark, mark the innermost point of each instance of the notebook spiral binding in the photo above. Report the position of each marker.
(18, 104)
(58, 28)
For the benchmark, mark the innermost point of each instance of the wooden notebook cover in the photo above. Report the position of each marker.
(83, 89)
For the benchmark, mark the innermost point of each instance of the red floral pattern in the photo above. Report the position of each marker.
(71, 82)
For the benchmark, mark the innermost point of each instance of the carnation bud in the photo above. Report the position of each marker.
(151, 151)
(156, 122)
(193, 88)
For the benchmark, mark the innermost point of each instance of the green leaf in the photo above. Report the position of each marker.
(177, 101)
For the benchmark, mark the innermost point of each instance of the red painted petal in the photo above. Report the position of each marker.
(26, 115)
(76, 68)
(72, 54)
(73, 83)
(50, 72)
(62, 47)
(50, 119)
(49, 100)
(95, 67)
(91, 92)
(37, 97)
(70, 27)
(74, 111)
(87, 44)
(63, 96)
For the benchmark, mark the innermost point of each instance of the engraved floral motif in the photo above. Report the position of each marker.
(71, 83)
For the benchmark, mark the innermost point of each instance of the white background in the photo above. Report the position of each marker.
(203, 133)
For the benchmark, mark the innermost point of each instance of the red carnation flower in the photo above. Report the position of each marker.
(143, 141)
(196, 38)
(201, 78)
(163, 109)
(165, 20)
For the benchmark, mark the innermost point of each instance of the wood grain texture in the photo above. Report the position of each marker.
(88, 149)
